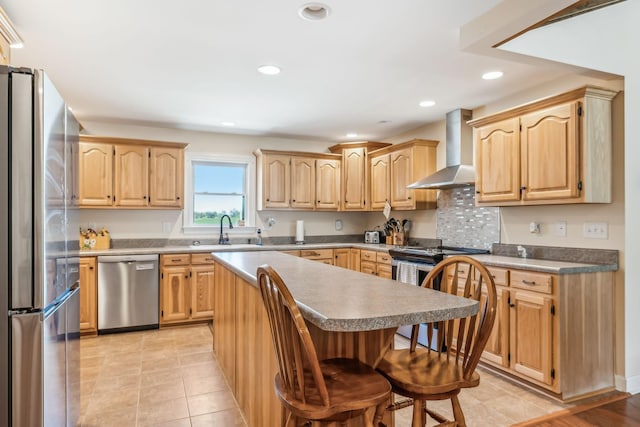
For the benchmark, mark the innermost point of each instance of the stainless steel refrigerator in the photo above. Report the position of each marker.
(39, 287)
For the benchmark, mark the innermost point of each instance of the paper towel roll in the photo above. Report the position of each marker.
(299, 231)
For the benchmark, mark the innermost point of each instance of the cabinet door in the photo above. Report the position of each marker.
(131, 183)
(174, 294)
(401, 175)
(202, 282)
(531, 335)
(368, 267)
(550, 157)
(276, 181)
(497, 347)
(497, 161)
(303, 183)
(327, 192)
(354, 263)
(380, 179)
(88, 295)
(354, 179)
(341, 257)
(95, 174)
(166, 177)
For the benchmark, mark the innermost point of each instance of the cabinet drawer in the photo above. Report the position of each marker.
(368, 267)
(367, 255)
(463, 271)
(384, 271)
(316, 253)
(175, 259)
(383, 258)
(294, 253)
(539, 282)
(500, 276)
(203, 258)
(328, 261)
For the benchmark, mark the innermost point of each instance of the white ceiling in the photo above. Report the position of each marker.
(192, 64)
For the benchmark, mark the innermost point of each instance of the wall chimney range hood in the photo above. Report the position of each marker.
(459, 171)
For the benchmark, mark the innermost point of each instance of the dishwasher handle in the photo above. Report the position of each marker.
(127, 258)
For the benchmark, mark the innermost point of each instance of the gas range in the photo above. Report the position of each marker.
(431, 255)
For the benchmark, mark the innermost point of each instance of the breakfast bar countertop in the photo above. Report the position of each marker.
(337, 299)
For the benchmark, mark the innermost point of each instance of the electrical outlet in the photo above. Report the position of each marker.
(534, 228)
(595, 230)
(560, 228)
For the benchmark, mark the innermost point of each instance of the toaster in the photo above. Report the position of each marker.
(372, 237)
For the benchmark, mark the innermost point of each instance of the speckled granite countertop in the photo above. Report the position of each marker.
(533, 264)
(337, 299)
(228, 248)
(545, 266)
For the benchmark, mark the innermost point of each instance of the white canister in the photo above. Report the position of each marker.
(299, 232)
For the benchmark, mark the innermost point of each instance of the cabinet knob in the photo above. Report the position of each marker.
(512, 305)
(178, 198)
(294, 200)
(108, 197)
(267, 200)
(144, 197)
(477, 191)
(523, 188)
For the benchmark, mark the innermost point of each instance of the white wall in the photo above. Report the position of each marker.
(605, 40)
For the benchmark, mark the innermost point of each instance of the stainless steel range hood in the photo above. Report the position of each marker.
(459, 171)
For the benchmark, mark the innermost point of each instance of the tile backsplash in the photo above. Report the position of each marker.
(460, 223)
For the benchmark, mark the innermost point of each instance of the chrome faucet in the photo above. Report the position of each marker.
(224, 240)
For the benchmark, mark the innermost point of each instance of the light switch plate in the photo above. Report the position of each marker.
(596, 230)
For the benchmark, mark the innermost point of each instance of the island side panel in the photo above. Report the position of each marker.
(224, 323)
(586, 333)
(256, 363)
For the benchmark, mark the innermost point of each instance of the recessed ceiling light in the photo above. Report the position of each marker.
(492, 75)
(314, 11)
(351, 135)
(427, 103)
(269, 70)
(228, 124)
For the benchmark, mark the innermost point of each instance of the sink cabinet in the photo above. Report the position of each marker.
(554, 331)
(186, 288)
(556, 150)
(132, 174)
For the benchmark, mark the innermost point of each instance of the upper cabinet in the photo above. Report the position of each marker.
(553, 151)
(300, 181)
(133, 174)
(356, 177)
(393, 168)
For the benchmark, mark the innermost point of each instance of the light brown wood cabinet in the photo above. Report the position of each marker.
(342, 257)
(376, 263)
(356, 177)
(393, 168)
(88, 296)
(324, 256)
(553, 151)
(132, 174)
(298, 181)
(554, 330)
(186, 288)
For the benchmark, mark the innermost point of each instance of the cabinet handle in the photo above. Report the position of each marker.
(512, 305)
(91, 267)
(477, 191)
(186, 277)
(527, 282)
(175, 260)
(144, 197)
(268, 200)
(318, 201)
(108, 197)
(409, 198)
(178, 198)
(294, 200)
(523, 188)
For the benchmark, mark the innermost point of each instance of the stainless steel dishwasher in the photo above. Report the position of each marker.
(127, 293)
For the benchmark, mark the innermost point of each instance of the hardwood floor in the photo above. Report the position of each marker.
(617, 410)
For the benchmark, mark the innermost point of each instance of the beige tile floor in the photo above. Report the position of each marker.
(170, 377)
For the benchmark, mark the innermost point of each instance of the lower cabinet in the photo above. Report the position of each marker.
(376, 263)
(342, 257)
(88, 296)
(186, 288)
(554, 330)
(322, 255)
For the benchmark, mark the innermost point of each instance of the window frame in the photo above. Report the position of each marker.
(188, 226)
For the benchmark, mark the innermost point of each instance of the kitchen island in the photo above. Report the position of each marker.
(349, 314)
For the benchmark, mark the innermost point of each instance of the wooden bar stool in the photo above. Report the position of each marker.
(332, 390)
(423, 374)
